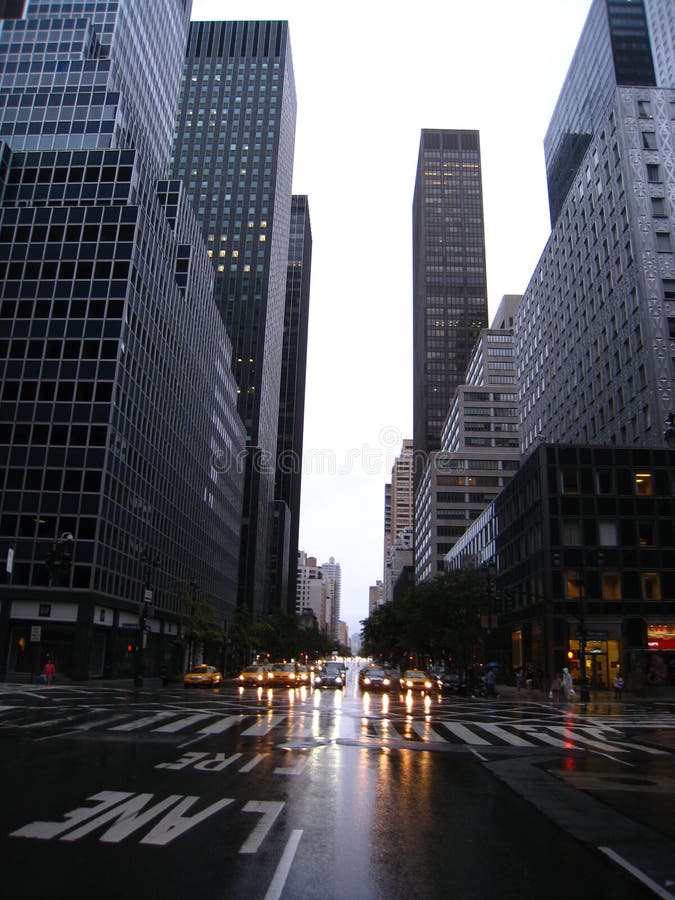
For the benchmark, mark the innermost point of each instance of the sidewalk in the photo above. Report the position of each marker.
(651, 695)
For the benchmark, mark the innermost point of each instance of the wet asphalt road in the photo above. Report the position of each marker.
(115, 793)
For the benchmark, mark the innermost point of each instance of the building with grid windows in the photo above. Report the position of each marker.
(286, 525)
(119, 436)
(596, 328)
(449, 281)
(582, 540)
(480, 446)
(233, 149)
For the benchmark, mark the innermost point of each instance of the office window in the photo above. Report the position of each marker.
(604, 481)
(572, 586)
(644, 109)
(653, 173)
(608, 534)
(649, 140)
(659, 207)
(611, 586)
(644, 485)
(663, 244)
(651, 586)
(571, 532)
(569, 481)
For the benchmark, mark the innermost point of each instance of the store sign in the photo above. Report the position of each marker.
(45, 610)
(661, 637)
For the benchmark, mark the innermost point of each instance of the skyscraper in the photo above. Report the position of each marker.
(291, 410)
(596, 325)
(449, 279)
(118, 402)
(233, 148)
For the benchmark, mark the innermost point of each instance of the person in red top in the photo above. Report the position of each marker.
(49, 671)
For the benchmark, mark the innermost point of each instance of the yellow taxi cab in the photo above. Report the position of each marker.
(202, 676)
(417, 680)
(253, 675)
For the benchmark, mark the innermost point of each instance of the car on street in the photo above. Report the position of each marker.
(418, 680)
(374, 679)
(454, 683)
(330, 675)
(253, 675)
(283, 675)
(202, 676)
(305, 675)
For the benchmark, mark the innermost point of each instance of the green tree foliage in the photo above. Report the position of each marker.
(438, 620)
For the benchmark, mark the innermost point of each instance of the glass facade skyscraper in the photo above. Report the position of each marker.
(118, 404)
(291, 410)
(233, 149)
(449, 280)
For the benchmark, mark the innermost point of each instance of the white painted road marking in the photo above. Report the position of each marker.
(270, 810)
(263, 726)
(179, 724)
(465, 734)
(141, 723)
(640, 875)
(222, 725)
(276, 887)
(427, 733)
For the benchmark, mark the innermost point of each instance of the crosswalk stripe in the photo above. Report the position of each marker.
(504, 735)
(141, 723)
(465, 734)
(427, 733)
(179, 724)
(263, 726)
(222, 725)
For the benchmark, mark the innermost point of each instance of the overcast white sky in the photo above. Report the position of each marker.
(368, 79)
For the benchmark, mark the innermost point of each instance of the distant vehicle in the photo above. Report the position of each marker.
(202, 676)
(283, 675)
(305, 675)
(374, 679)
(417, 680)
(454, 683)
(331, 675)
(253, 675)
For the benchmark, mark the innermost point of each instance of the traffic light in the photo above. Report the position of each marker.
(130, 648)
(570, 654)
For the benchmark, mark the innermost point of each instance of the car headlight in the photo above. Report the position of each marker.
(385, 681)
(366, 680)
(241, 678)
(408, 684)
(427, 684)
(292, 676)
(338, 680)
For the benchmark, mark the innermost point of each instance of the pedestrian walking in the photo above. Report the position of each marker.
(520, 680)
(490, 682)
(618, 686)
(49, 672)
(567, 685)
(556, 687)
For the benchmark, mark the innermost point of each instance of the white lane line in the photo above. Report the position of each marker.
(179, 724)
(427, 733)
(276, 887)
(638, 873)
(263, 726)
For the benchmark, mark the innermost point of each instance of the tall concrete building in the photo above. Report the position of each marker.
(291, 411)
(333, 571)
(596, 327)
(480, 446)
(233, 148)
(449, 279)
(315, 593)
(118, 402)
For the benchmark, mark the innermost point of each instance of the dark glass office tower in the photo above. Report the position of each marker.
(233, 149)
(291, 411)
(614, 49)
(449, 280)
(118, 408)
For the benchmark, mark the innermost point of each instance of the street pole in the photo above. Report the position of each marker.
(143, 613)
(584, 695)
